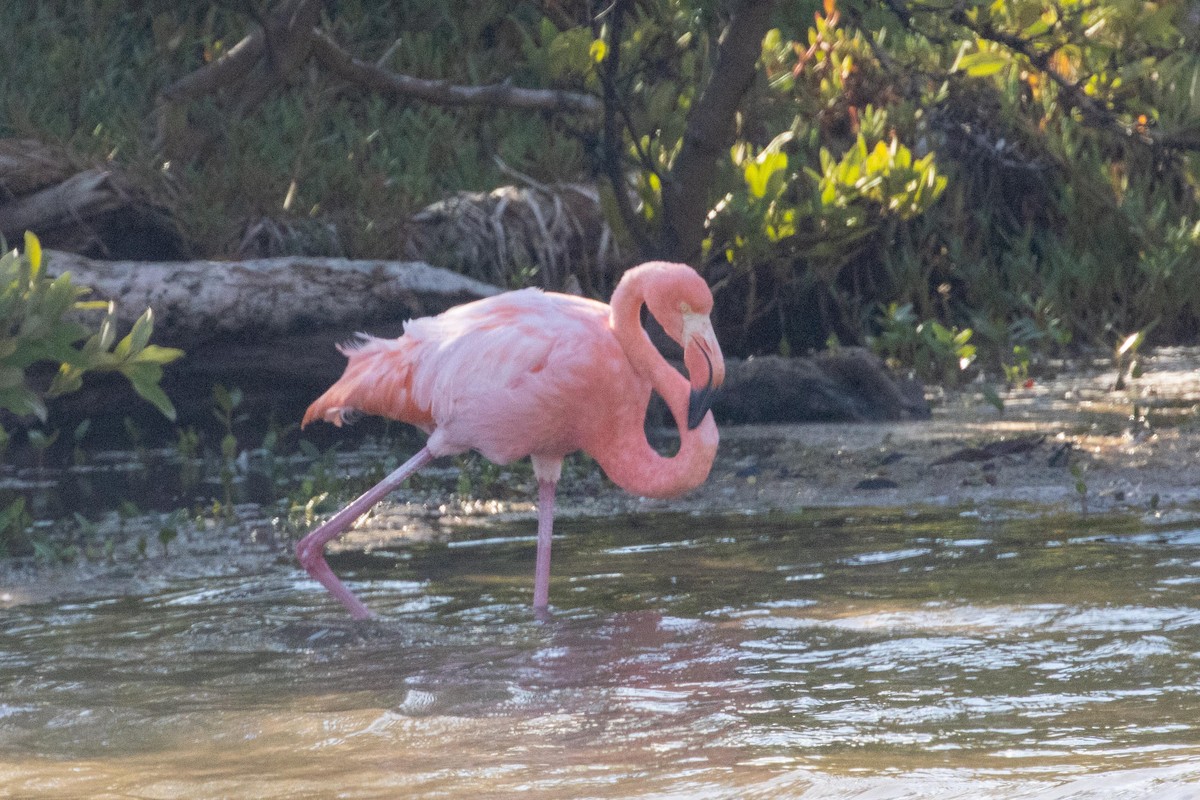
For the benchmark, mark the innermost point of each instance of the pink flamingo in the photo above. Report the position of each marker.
(539, 374)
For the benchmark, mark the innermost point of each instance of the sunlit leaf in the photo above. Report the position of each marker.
(33, 252)
(982, 63)
(135, 341)
(156, 354)
(759, 172)
(598, 50)
(1131, 342)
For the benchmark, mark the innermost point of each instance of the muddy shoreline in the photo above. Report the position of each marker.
(1065, 444)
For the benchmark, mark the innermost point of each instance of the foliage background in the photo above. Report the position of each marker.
(1018, 176)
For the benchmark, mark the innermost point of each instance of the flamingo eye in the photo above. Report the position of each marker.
(684, 308)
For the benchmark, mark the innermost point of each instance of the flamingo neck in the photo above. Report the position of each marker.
(628, 459)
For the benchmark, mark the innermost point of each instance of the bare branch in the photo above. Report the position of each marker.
(231, 67)
(80, 196)
(441, 92)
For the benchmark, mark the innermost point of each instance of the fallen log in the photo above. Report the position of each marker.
(199, 302)
(267, 326)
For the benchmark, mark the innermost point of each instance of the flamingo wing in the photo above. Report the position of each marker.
(514, 375)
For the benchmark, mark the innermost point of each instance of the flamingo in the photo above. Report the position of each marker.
(538, 374)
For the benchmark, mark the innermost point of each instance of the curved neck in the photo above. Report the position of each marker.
(626, 457)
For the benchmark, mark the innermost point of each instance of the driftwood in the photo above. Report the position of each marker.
(85, 194)
(267, 326)
(94, 210)
(200, 302)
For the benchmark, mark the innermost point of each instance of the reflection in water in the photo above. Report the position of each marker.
(798, 656)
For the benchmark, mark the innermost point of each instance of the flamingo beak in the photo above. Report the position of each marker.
(705, 366)
(699, 402)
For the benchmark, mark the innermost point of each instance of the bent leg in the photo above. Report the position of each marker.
(311, 549)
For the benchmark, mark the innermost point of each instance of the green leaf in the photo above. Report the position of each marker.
(145, 378)
(155, 354)
(23, 401)
(11, 376)
(759, 172)
(1039, 28)
(60, 296)
(68, 379)
(598, 50)
(90, 305)
(108, 328)
(33, 252)
(993, 398)
(39, 440)
(982, 64)
(135, 341)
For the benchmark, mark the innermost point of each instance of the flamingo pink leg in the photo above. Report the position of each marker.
(541, 575)
(311, 549)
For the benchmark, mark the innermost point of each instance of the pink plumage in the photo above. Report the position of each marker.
(539, 374)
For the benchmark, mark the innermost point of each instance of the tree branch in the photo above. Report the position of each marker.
(234, 65)
(441, 92)
(250, 71)
(711, 128)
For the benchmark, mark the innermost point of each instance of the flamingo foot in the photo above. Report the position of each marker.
(313, 560)
(310, 551)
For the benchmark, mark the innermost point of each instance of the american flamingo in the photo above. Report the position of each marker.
(539, 374)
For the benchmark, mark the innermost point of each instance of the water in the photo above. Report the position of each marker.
(819, 655)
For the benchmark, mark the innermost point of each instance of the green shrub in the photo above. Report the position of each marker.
(39, 326)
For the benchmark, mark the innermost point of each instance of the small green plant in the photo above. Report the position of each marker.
(1017, 372)
(930, 350)
(992, 397)
(187, 450)
(1081, 487)
(78, 454)
(37, 325)
(167, 534)
(225, 405)
(14, 522)
(41, 441)
(1125, 357)
(477, 477)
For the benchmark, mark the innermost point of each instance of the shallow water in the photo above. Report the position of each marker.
(816, 655)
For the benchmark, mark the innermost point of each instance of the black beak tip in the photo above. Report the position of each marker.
(699, 402)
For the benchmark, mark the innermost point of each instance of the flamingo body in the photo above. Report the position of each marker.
(503, 376)
(539, 374)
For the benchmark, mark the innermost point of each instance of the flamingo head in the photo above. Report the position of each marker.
(681, 302)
